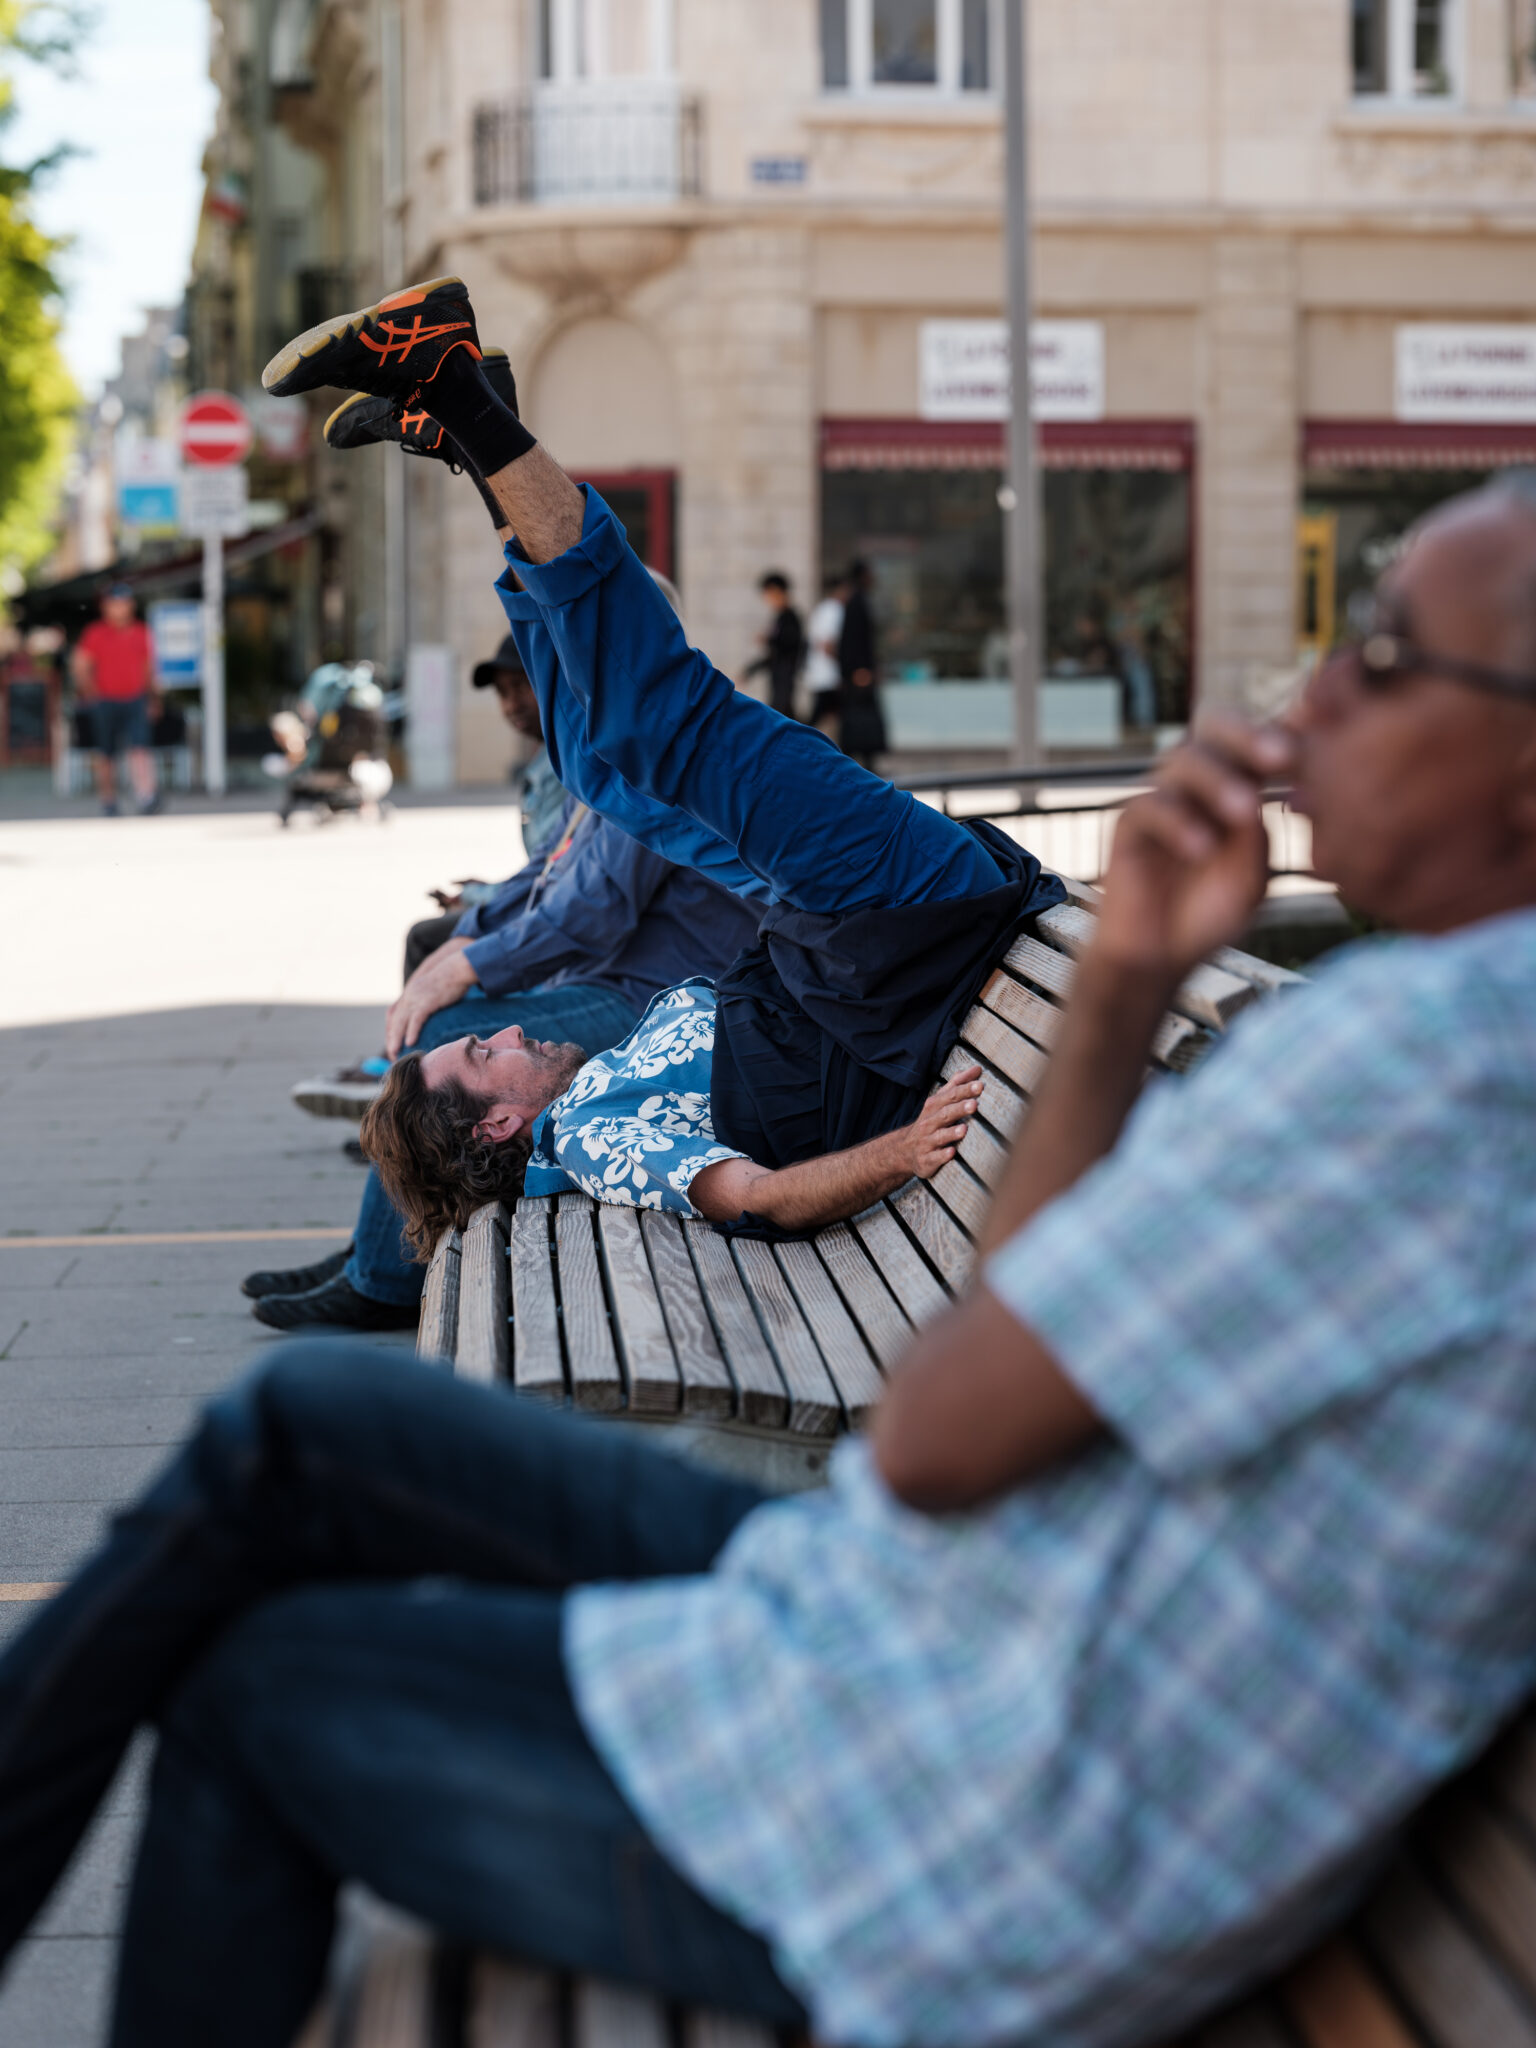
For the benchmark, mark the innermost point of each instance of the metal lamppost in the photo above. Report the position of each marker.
(1021, 497)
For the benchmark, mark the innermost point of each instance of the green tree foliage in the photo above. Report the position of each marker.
(38, 399)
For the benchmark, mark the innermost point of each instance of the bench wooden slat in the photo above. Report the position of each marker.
(814, 1409)
(537, 1367)
(1492, 1872)
(650, 1367)
(437, 1333)
(937, 1232)
(1023, 1063)
(706, 1381)
(899, 1264)
(512, 2006)
(1264, 975)
(1336, 2002)
(844, 1352)
(761, 1396)
(389, 2001)
(1002, 1106)
(962, 1195)
(593, 1362)
(1177, 1042)
(616, 2016)
(1210, 994)
(705, 2029)
(481, 1351)
(1023, 1009)
(870, 1301)
(1043, 965)
(1453, 1988)
(984, 1153)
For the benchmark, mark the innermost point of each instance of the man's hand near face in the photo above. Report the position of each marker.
(442, 978)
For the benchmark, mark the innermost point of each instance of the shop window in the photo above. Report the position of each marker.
(884, 45)
(1522, 49)
(1405, 49)
(1352, 528)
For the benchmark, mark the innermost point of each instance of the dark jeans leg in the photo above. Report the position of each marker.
(426, 936)
(382, 1265)
(339, 1462)
(421, 1739)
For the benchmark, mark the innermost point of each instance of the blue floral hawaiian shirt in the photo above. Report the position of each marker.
(634, 1126)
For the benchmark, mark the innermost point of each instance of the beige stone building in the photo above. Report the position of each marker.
(747, 258)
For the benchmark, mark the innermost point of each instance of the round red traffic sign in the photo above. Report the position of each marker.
(215, 428)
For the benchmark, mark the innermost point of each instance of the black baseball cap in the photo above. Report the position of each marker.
(505, 657)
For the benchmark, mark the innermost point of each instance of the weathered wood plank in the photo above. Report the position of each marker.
(438, 1330)
(937, 1232)
(1043, 965)
(511, 2006)
(1001, 1104)
(963, 1196)
(706, 1383)
(1492, 1871)
(594, 1366)
(1023, 1063)
(983, 1152)
(537, 1367)
(1336, 2002)
(1264, 975)
(870, 1301)
(1023, 1009)
(484, 1334)
(900, 1265)
(814, 1409)
(844, 1352)
(1177, 1043)
(761, 1396)
(616, 2016)
(389, 2002)
(1443, 1977)
(1210, 994)
(705, 2029)
(644, 1346)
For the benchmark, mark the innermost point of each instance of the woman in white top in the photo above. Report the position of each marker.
(823, 677)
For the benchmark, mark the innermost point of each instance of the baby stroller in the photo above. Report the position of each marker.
(334, 744)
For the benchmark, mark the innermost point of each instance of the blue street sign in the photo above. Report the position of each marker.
(176, 627)
(149, 505)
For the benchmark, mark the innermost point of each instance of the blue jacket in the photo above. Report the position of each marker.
(602, 909)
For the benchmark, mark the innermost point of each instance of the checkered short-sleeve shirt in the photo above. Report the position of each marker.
(1067, 1769)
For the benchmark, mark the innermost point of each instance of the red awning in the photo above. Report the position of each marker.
(874, 444)
(1406, 444)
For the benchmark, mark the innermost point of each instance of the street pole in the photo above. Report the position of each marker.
(1022, 521)
(213, 663)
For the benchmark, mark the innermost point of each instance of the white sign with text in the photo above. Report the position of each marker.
(963, 371)
(1481, 374)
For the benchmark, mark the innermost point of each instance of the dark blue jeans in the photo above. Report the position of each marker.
(341, 1603)
(382, 1265)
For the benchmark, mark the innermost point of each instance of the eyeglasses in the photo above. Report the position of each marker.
(1384, 658)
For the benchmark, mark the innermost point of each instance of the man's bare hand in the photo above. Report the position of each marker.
(442, 978)
(931, 1142)
(1190, 861)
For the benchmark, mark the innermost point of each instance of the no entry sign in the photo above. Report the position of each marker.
(215, 428)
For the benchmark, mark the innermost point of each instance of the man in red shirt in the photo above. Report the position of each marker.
(114, 669)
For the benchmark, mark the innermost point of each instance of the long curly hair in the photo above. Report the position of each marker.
(422, 1144)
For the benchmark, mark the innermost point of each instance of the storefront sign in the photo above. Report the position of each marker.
(963, 370)
(1485, 373)
(176, 627)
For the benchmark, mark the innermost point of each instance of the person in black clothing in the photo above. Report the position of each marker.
(783, 644)
(862, 734)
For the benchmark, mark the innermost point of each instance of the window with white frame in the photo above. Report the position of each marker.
(882, 45)
(591, 39)
(1406, 49)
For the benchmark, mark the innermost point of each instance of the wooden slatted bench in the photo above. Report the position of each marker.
(756, 1357)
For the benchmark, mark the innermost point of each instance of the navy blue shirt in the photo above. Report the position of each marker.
(603, 910)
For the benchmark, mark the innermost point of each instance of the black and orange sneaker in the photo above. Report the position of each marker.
(393, 349)
(361, 420)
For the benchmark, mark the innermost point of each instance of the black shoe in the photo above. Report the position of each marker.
(335, 1305)
(392, 349)
(298, 1279)
(361, 420)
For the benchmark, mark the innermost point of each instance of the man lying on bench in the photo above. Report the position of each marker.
(795, 1089)
(1188, 1550)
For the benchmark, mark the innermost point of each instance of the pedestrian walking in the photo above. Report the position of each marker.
(862, 735)
(782, 642)
(114, 671)
(823, 677)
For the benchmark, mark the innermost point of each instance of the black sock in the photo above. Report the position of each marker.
(460, 399)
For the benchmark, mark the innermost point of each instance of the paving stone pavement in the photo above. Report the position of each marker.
(172, 1121)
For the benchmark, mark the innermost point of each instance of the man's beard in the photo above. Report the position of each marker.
(558, 1066)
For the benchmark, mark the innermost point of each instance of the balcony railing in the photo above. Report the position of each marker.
(627, 141)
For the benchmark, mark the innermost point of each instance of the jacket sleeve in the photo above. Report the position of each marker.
(511, 897)
(597, 892)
